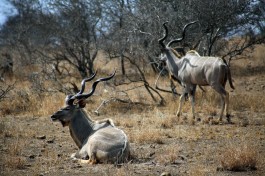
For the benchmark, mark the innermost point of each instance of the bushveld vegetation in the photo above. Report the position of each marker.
(161, 142)
(51, 47)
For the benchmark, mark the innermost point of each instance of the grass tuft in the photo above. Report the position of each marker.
(16, 162)
(169, 155)
(147, 136)
(239, 158)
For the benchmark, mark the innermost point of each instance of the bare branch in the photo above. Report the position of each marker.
(5, 90)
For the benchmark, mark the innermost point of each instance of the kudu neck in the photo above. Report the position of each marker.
(81, 126)
(172, 62)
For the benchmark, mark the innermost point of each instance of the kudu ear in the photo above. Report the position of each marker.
(82, 103)
(68, 101)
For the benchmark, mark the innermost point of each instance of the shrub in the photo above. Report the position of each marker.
(239, 158)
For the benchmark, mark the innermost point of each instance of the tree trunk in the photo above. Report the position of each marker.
(122, 65)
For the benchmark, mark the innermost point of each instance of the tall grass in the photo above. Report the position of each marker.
(22, 101)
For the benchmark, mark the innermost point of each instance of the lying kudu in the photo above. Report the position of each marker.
(99, 142)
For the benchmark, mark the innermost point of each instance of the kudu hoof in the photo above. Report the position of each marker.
(228, 118)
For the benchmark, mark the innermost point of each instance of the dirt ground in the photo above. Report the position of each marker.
(31, 145)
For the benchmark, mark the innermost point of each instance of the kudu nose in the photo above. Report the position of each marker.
(53, 118)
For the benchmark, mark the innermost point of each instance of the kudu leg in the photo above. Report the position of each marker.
(224, 99)
(192, 100)
(222, 108)
(227, 107)
(181, 100)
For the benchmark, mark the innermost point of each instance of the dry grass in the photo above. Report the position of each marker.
(239, 157)
(126, 170)
(169, 155)
(15, 162)
(168, 122)
(201, 170)
(14, 159)
(22, 101)
(5, 130)
(148, 136)
(246, 101)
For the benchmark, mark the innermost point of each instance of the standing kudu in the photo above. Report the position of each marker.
(192, 70)
(100, 142)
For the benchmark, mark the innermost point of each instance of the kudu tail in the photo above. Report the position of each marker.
(230, 78)
(229, 75)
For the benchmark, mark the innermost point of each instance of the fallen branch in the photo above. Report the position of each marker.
(164, 90)
(105, 102)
